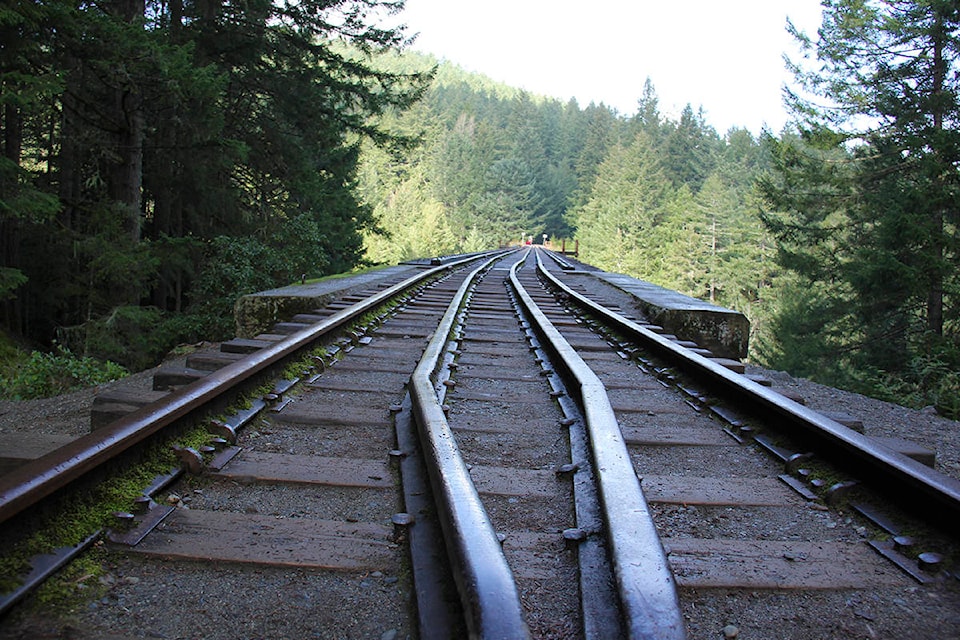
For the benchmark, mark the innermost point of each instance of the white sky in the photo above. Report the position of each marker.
(723, 55)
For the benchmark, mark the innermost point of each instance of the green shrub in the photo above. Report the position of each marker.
(930, 378)
(43, 375)
(236, 266)
(135, 337)
(947, 396)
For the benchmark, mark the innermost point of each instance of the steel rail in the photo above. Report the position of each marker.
(488, 592)
(917, 486)
(645, 583)
(29, 484)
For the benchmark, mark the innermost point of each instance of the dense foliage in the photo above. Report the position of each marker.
(865, 202)
(495, 165)
(160, 155)
(48, 374)
(665, 199)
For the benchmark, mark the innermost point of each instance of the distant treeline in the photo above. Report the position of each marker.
(667, 199)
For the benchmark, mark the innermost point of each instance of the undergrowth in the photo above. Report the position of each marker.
(41, 375)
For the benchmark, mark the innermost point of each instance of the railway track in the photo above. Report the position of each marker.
(493, 459)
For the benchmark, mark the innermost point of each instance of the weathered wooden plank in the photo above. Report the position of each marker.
(772, 564)
(514, 482)
(536, 555)
(717, 491)
(676, 436)
(267, 540)
(17, 448)
(306, 469)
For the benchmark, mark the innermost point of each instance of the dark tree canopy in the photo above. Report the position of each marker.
(141, 138)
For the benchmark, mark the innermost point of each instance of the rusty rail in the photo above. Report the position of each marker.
(34, 481)
(485, 583)
(913, 484)
(645, 584)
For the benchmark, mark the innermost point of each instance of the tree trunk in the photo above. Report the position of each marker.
(68, 159)
(935, 287)
(127, 172)
(935, 290)
(9, 226)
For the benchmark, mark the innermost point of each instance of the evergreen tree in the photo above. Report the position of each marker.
(411, 224)
(866, 200)
(678, 256)
(648, 117)
(27, 81)
(140, 138)
(599, 134)
(689, 148)
(617, 226)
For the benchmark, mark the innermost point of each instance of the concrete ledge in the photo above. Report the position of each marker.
(19, 448)
(257, 312)
(725, 332)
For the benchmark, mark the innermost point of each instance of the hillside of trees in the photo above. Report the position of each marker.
(665, 199)
(837, 237)
(273, 141)
(670, 199)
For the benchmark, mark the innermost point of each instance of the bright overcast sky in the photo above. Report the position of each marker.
(723, 55)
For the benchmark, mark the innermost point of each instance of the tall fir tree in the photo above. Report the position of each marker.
(617, 226)
(865, 201)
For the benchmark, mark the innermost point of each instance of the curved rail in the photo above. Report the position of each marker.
(487, 589)
(34, 481)
(913, 482)
(647, 590)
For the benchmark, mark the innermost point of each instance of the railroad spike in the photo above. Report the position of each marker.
(839, 491)
(223, 430)
(401, 521)
(930, 561)
(190, 458)
(793, 462)
(903, 543)
(573, 537)
(568, 469)
(142, 504)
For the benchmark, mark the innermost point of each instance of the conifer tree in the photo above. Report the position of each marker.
(154, 132)
(865, 201)
(617, 226)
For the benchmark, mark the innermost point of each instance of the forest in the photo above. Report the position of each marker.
(162, 159)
